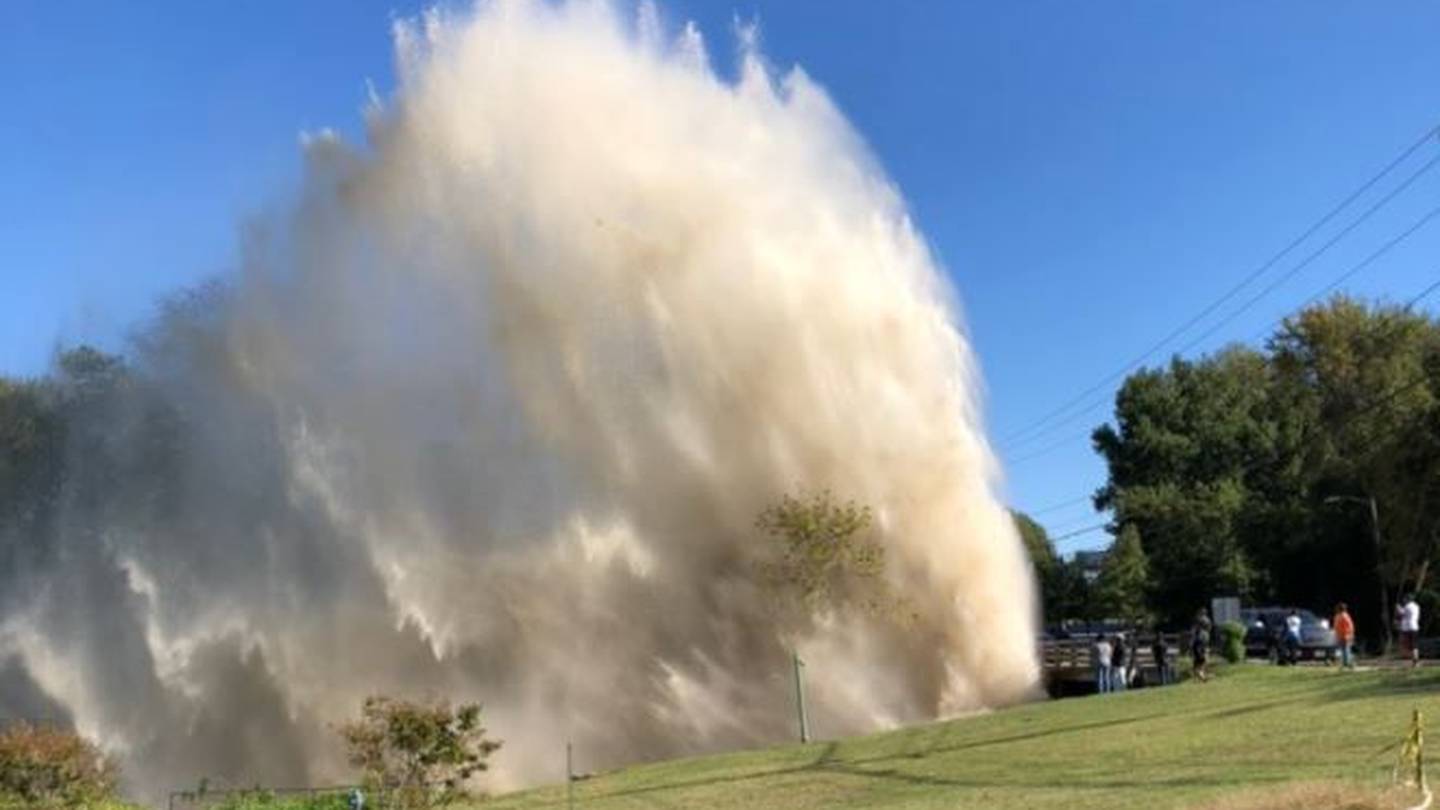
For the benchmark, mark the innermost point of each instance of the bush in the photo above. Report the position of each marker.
(1232, 642)
(268, 800)
(419, 754)
(262, 798)
(49, 766)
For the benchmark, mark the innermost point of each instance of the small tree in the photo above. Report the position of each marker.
(1232, 642)
(824, 552)
(1064, 592)
(1122, 588)
(49, 767)
(422, 754)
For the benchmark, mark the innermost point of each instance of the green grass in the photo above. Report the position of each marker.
(1255, 727)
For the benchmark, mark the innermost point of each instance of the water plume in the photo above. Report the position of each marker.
(490, 412)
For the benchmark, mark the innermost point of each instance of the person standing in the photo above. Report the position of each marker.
(1344, 634)
(1410, 629)
(1200, 645)
(1102, 653)
(1120, 661)
(1161, 654)
(1292, 636)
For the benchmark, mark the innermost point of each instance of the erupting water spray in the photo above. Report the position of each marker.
(490, 415)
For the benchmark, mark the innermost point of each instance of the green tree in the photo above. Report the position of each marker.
(31, 455)
(1037, 543)
(1227, 464)
(1064, 593)
(1122, 589)
(1183, 456)
(48, 767)
(1366, 377)
(825, 557)
(420, 753)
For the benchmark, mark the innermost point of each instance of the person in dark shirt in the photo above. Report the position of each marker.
(1121, 659)
(1200, 645)
(1161, 654)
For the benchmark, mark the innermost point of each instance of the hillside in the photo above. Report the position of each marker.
(1258, 727)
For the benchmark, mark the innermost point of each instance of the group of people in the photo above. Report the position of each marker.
(1115, 658)
(1115, 662)
(1407, 621)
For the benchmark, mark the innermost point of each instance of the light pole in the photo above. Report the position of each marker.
(800, 696)
(1379, 569)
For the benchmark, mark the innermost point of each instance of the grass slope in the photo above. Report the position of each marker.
(1257, 727)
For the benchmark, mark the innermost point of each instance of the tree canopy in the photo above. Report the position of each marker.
(1244, 472)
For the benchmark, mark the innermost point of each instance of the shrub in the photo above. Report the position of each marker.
(1232, 642)
(50, 766)
(262, 798)
(420, 754)
(268, 800)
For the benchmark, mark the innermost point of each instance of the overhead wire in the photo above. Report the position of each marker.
(1349, 272)
(1361, 265)
(1055, 507)
(1380, 401)
(1078, 532)
(1032, 431)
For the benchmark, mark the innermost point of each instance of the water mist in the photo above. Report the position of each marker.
(490, 412)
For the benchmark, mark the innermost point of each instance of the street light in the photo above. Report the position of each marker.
(1379, 571)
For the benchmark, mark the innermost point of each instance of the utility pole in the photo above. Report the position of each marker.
(800, 696)
(569, 777)
(1379, 567)
(1380, 574)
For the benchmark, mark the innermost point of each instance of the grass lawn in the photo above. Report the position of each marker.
(1255, 727)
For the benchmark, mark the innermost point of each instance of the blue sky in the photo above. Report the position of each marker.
(1091, 174)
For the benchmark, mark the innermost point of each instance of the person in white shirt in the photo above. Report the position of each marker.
(1104, 672)
(1409, 614)
(1292, 636)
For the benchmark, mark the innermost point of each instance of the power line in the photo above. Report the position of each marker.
(1274, 285)
(1245, 282)
(1055, 507)
(1385, 248)
(1053, 446)
(1414, 382)
(1087, 530)
(1366, 262)
(1422, 295)
(1070, 524)
(1328, 288)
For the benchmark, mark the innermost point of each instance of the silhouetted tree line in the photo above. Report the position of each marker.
(1249, 472)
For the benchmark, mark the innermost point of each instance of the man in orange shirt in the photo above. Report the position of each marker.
(1344, 634)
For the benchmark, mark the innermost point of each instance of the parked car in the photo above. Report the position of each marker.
(1265, 633)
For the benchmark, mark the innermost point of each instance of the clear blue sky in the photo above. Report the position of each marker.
(1092, 174)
